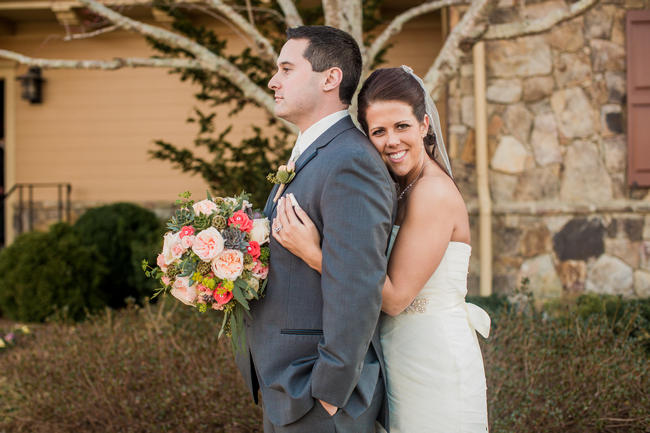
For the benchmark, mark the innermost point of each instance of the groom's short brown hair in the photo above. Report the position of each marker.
(330, 47)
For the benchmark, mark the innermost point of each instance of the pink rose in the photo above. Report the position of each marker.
(260, 271)
(202, 288)
(187, 241)
(186, 231)
(222, 298)
(178, 249)
(241, 220)
(253, 249)
(166, 280)
(205, 207)
(228, 265)
(207, 244)
(160, 261)
(171, 251)
(182, 291)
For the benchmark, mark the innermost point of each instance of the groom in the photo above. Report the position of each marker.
(313, 341)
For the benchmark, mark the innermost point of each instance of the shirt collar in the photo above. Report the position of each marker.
(316, 130)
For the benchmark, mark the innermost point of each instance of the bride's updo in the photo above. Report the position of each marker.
(396, 84)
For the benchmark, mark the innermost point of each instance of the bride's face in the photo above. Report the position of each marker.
(397, 135)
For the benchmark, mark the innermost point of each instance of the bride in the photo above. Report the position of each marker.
(434, 368)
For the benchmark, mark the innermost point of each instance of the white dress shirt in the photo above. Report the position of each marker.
(305, 139)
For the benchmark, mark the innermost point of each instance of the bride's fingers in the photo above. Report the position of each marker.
(282, 214)
(274, 232)
(301, 214)
(290, 214)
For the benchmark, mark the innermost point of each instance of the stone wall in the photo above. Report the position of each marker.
(556, 128)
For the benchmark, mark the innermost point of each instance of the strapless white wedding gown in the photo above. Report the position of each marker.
(434, 367)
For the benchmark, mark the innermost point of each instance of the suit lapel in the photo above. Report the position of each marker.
(312, 151)
(269, 206)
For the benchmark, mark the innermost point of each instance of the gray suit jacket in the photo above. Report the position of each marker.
(312, 336)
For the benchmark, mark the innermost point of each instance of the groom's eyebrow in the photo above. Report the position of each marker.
(285, 63)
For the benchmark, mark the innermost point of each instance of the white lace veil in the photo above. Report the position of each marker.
(434, 121)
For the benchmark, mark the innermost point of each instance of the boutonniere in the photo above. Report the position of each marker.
(283, 176)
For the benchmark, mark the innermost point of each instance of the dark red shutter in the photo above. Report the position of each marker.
(638, 97)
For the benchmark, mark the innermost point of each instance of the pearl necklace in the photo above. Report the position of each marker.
(408, 187)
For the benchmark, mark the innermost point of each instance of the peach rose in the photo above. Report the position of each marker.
(160, 261)
(228, 265)
(182, 291)
(171, 251)
(205, 207)
(207, 244)
(260, 231)
(166, 280)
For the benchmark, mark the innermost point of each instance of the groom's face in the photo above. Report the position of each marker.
(295, 84)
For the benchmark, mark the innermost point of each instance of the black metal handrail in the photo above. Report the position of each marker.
(20, 187)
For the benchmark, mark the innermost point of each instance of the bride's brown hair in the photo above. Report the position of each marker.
(395, 84)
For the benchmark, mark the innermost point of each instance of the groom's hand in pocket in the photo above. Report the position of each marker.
(329, 408)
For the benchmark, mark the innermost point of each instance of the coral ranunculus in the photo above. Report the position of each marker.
(253, 249)
(222, 298)
(228, 265)
(241, 220)
(186, 231)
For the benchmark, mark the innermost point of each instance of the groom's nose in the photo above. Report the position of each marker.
(273, 83)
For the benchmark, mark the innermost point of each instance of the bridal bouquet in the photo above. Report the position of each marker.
(214, 258)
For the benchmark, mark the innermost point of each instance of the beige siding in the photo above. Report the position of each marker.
(94, 128)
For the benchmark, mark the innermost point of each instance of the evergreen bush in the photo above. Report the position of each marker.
(47, 273)
(124, 233)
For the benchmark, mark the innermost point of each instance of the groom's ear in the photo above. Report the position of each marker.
(332, 79)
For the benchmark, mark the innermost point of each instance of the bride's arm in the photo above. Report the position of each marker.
(418, 250)
(421, 243)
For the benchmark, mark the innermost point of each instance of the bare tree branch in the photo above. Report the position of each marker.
(291, 15)
(207, 58)
(249, 9)
(398, 22)
(331, 13)
(262, 43)
(88, 35)
(351, 20)
(523, 28)
(448, 60)
(109, 65)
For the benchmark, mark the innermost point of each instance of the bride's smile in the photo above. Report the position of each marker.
(398, 136)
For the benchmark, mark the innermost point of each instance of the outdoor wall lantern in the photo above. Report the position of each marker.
(32, 83)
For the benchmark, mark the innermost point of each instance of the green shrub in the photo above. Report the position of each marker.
(566, 373)
(140, 369)
(124, 233)
(43, 273)
(160, 368)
